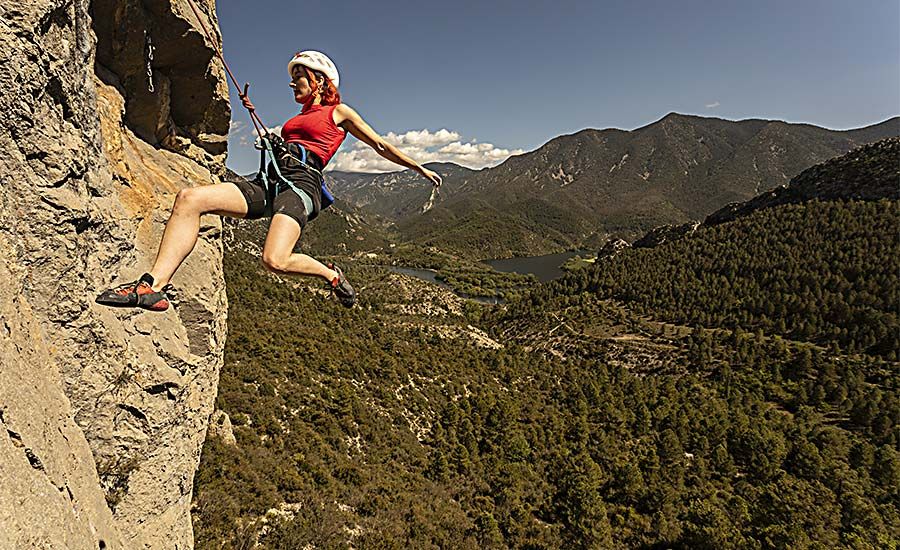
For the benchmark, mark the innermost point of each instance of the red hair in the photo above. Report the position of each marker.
(330, 95)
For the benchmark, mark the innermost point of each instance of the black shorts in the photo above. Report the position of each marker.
(286, 202)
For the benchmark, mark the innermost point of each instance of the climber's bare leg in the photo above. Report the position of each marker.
(183, 226)
(278, 253)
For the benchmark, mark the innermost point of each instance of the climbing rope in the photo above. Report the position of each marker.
(254, 118)
(267, 155)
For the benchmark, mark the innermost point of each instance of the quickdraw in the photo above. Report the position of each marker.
(149, 44)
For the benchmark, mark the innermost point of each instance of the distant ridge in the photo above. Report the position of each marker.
(578, 190)
(870, 172)
(396, 195)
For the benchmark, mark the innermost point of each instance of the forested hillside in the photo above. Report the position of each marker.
(381, 428)
(820, 272)
(737, 388)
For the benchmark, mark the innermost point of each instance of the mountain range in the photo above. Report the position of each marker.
(581, 189)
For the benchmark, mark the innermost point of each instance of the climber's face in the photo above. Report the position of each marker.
(300, 85)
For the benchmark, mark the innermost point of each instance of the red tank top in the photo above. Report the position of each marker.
(315, 129)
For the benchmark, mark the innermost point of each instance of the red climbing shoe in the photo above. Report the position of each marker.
(341, 288)
(137, 294)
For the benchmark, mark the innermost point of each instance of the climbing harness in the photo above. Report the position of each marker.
(274, 153)
(267, 148)
(290, 148)
(149, 43)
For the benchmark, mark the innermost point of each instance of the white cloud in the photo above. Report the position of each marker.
(236, 126)
(712, 105)
(423, 146)
(422, 138)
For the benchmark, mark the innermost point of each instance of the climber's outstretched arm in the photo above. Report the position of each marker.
(350, 120)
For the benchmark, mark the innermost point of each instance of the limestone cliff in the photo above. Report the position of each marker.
(103, 412)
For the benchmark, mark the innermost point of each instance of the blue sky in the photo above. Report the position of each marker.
(502, 77)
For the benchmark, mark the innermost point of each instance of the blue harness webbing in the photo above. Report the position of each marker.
(273, 188)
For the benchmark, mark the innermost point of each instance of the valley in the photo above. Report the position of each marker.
(656, 397)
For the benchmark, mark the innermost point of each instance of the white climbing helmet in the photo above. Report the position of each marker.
(316, 61)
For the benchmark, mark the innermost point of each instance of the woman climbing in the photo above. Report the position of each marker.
(320, 128)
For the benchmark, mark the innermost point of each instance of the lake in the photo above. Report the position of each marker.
(431, 276)
(545, 268)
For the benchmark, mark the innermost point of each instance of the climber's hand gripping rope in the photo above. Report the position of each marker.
(245, 99)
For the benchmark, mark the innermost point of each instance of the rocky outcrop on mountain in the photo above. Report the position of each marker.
(397, 195)
(665, 233)
(871, 172)
(103, 412)
(220, 426)
(612, 248)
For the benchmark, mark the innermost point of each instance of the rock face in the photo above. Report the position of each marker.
(103, 412)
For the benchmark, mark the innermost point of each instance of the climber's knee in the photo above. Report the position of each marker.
(276, 263)
(188, 200)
